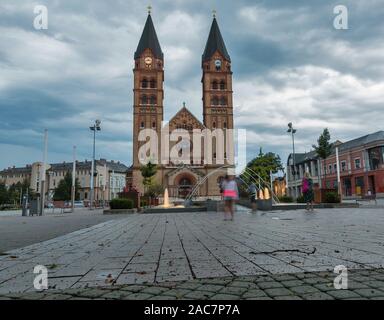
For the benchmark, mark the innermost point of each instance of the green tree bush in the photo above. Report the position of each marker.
(121, 204)
(148, 172)
(286, 199)
(3, 193)
(263, 164)
(63, 190)
(332, 197)
(154, 190)
(324, 148)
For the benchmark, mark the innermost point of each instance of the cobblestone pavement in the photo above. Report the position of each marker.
(155, 249)
(362, 284)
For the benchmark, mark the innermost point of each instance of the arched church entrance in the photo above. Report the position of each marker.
(185, 183)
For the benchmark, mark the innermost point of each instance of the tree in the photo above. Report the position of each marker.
(324, 148)
(147, 172)
(263, 164)
(14, 193)
(155, 190)
(3, 193)
(63, 190)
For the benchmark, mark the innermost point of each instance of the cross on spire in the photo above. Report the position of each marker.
(149, 9)
(184, 104)
(214, 13)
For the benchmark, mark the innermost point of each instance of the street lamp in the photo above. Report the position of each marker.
(94, 128)
(292, 131)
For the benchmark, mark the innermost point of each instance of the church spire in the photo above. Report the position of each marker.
(149, 39)
(215, 42)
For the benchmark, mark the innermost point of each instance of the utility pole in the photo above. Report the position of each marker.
(94, 128)
(73, 190)
(43, 172)
(293, 131)
(338, 173)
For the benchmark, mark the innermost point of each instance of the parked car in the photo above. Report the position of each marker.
(50, 205)
(79, 204)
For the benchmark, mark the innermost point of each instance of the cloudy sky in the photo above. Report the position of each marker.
(289, 64)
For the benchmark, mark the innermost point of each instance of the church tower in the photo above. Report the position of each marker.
(217, 82)
(148, 86)
(148, 94)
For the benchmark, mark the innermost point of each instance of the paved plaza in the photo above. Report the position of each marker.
(145, 255)
(17, 231)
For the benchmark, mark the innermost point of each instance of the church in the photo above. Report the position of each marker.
(183, 176)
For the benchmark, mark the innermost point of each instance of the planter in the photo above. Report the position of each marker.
(149, 201)
(212, 205)
(264, 205)
(320, 194)
(120, 211)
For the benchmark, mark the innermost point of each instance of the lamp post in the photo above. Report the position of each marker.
(43, 173)
(94, 128)
(292, 131)
(73, 189)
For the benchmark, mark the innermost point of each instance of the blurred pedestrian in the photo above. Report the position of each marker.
(252, 190)
(230, 194)
(307, 190)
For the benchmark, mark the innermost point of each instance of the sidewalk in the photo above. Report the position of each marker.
(159, 248)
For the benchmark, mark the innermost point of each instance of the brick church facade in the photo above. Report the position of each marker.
(181, 176)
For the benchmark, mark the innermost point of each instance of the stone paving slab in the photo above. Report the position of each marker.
(156, 248)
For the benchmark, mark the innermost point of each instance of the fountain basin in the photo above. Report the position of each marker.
(174, 209)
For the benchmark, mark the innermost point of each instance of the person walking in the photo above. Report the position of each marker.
(307, 189)
(253, 196)
(230, 194)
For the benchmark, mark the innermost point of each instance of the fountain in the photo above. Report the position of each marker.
(166, 199)
(266, 194)
(168, 206)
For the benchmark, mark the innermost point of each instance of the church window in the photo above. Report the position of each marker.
(223, 101)
(152, 84)
(214, 85)
(225, 125)
(144, 83)
(144, 99)
(214, 124)
(222, 85)
(215, 101)
(142, 125)
(152, 100)
(153, 125)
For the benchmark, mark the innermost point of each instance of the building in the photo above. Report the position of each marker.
(361, 167)
(110, 178)
(180, 176)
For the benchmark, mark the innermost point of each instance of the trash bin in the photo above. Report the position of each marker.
(34, 207)
(24, 211)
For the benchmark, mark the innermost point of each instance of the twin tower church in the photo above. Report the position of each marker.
(181, 176)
